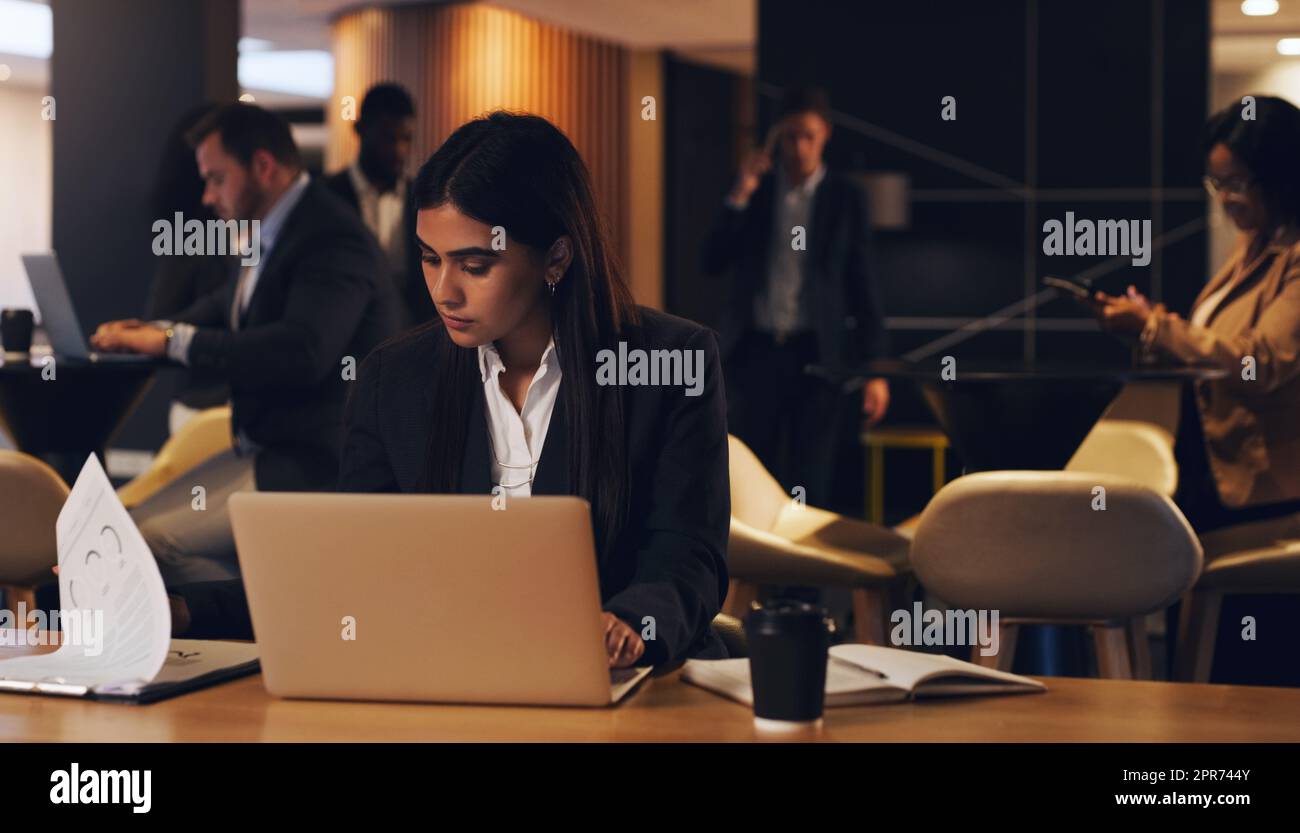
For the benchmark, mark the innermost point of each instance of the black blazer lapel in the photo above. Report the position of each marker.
(269, 270)
(476, 465)
(348, 191)
(820, 230)
(818, 291)
(763, 216)
(552, 477)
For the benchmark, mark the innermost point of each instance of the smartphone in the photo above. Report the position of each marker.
(1079, 291)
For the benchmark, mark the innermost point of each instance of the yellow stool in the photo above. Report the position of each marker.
(876, 440)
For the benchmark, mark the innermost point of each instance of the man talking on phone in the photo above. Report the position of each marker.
(797, 238)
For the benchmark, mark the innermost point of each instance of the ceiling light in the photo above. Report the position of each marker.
(26, 29)
(1259, 8)
(298, 72)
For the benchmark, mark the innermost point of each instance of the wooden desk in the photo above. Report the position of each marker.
(667, 709)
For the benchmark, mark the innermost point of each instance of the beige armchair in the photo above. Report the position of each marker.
(1037, 547)
(776, 540)
(1139, 451)
(203, 437)
(1258, 557)
(34, 495)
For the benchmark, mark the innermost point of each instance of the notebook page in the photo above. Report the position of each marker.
(908, 669)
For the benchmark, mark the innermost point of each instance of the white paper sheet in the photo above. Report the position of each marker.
(105, 568)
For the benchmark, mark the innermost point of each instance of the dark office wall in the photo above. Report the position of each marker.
(1096, 108)
(707, 122)
(121, 75)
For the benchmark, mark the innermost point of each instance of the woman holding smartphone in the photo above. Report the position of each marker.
(1239, 442)
(502, 394)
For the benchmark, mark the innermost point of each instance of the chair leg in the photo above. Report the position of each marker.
(1139, 646)
(14, 594)
(1112, 652)
(740, 595)
(940, 464)
(899, 596)
(870, 615)
(1006, 654)
(877, 496)
(1197, 629)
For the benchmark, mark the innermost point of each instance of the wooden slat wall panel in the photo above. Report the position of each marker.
(465, 59)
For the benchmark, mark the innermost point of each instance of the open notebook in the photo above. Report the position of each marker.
(858, 675)
(115, 622)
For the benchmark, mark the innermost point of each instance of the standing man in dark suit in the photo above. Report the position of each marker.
(287, 332)
(797, 237)
(377, 187)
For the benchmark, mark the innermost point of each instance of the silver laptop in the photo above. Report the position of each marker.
(426, 598)
(58, 316)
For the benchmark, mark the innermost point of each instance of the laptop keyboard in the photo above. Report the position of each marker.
(618, 676)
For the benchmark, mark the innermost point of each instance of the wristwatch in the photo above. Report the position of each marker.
(1148, 334)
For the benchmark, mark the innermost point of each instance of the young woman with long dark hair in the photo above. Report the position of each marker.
(504, 392)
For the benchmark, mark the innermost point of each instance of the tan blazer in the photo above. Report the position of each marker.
(1252, 426)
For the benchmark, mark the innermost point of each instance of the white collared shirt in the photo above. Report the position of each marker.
(382, 212)
(778, 307)
(516, 438)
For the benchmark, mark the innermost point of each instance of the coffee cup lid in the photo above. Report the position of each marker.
(785, 612)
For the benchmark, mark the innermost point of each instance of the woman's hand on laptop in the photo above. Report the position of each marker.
(622, 644)
(130, 336)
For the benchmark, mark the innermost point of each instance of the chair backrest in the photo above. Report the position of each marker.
(1139, 451)
(202, 437)
(732, 633)
(756, 497)
(1155, 403)
(31, 496)
(1038, 544)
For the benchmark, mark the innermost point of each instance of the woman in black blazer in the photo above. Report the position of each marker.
(515, 258)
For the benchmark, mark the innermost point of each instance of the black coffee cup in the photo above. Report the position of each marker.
(16, 327)
(788, 643)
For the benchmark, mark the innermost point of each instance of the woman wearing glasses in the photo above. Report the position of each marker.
(1238, 444)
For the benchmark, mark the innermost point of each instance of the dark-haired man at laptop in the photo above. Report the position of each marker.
(284, 332)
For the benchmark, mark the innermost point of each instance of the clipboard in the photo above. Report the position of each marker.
(191, 664)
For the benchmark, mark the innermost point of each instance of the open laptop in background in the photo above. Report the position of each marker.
(58, 315)
(448, 599)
